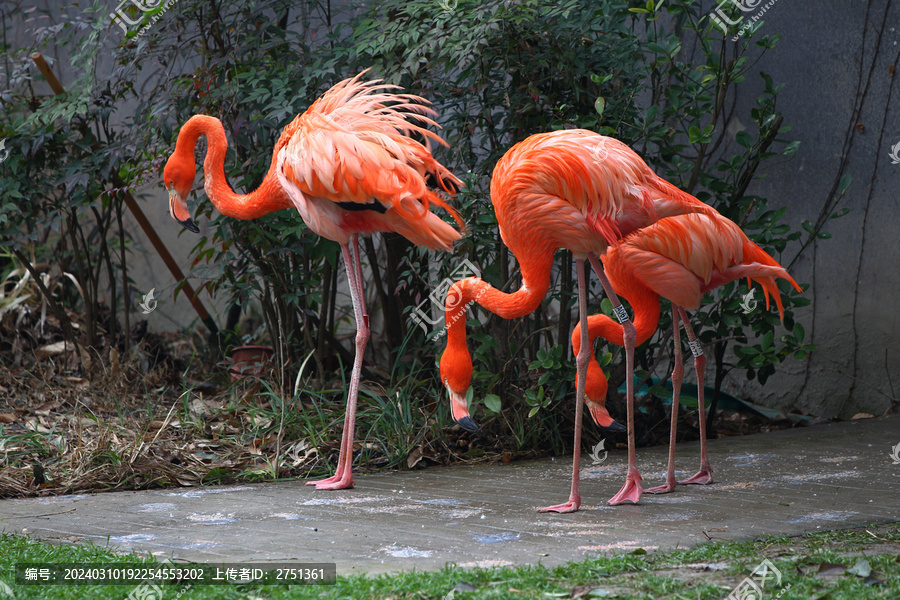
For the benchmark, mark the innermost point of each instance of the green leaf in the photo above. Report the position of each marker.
(744, 139)
(492, 403)
(600, 105)
(606, 306)
(694, 134)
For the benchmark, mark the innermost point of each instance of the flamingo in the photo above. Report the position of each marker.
(679, 258)
(350, 166)
(570, 189)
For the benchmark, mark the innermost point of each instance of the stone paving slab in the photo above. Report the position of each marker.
(788, 482)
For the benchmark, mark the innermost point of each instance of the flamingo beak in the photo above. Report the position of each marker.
(459, 408)
(178, 210)
(603, 419)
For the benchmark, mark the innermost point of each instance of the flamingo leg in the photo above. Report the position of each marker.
(677, 378)
(632, 489)
(581, 364)
(343, 477)
(704, 475)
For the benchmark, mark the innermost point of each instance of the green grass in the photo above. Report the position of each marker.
(654, 576)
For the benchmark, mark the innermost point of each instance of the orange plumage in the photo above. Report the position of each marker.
(678, 258)
(350, 165)
(570, 189)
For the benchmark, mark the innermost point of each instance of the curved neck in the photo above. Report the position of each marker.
(267, 198)
(645, 305)
(535, 283)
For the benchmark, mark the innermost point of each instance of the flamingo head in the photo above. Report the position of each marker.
(595, 387)
(178, 177)
(456, 375)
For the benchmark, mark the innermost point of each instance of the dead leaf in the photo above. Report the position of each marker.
(862, 568)
(45, 408)
(8, 418)
(827, 569)
(414, 457)
(861, 415)
(54, 349)
(35, 425)
(580, 591)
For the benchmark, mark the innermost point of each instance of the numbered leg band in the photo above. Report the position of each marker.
(696, 348)
(621, 313)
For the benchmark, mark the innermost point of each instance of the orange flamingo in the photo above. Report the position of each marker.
(570, 189)
(351, 166)
(678, 258)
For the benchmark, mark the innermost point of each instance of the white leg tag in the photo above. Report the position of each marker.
(621, 313)
(696, 348)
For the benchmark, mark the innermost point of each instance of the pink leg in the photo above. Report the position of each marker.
(677, 378)
(632, 489)
(581, 363)
(704, 475)
(343, 477)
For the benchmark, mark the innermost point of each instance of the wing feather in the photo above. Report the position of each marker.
(360, 143)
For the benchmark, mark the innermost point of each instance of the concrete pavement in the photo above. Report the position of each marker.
(782, 483)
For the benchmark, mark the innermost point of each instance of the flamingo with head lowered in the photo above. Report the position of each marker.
(570, 189)
(351, 165)
(678, 258)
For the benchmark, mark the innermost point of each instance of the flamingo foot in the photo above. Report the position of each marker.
(569, 507)
(630, 491)
(703, 477)
(341, 483)
(662, 489)
(338, 475)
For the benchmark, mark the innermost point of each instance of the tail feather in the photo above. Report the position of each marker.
(429, 231)
(762, 268)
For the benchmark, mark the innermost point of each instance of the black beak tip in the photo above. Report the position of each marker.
(614, 427)
(190, 225)
(468, 424)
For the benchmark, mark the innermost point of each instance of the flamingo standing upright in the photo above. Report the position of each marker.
(350, 166)
(678, 258)
(570, 189)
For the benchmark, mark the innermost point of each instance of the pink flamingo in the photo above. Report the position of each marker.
(678, 258)
(570, 189)
(350, 166)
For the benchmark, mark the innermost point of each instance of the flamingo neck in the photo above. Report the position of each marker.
(266, 199)
(645, 305)
(456, 363)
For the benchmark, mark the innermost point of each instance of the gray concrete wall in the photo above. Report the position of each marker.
(834, 58)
